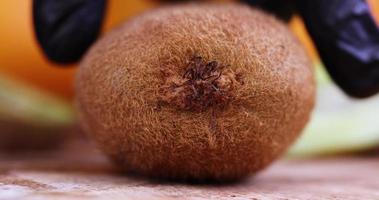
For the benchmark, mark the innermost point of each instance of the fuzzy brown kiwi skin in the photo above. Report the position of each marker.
(204, 92)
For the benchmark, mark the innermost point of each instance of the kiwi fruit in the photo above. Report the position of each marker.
(196, 92)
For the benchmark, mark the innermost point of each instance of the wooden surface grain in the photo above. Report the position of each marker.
(79, 171)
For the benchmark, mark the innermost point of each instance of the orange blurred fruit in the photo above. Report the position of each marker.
(20, 56)
(374, 4)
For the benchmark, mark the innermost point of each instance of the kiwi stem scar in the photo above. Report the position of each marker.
(202, 85)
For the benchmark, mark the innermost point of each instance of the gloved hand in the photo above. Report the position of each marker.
(346, 38)
(344, 32)
(65, 29)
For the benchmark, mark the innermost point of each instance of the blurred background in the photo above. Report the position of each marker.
(36, 96)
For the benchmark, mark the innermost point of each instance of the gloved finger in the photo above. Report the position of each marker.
(65, 29)
(347, 39)
(283, 9)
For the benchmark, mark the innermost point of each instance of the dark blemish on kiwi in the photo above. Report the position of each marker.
(202, 85)
(158, 106)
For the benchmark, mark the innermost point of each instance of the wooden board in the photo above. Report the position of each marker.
(79, 171)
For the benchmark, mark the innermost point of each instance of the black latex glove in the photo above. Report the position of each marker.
(344, 32)
(346, 38)
(66, 28)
